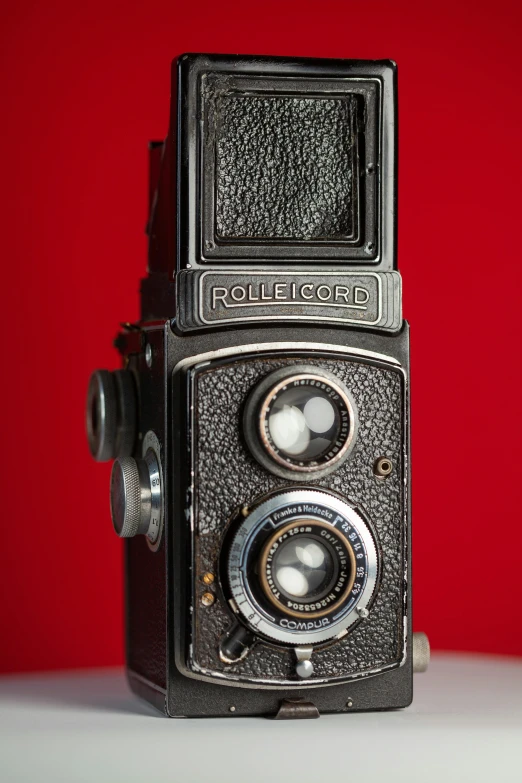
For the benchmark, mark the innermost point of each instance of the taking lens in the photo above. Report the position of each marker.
(297, 564)
(304, 568)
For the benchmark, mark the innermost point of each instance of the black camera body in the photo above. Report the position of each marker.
(260, 424)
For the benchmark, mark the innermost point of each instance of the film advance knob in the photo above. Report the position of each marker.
(101, 416)
(110, 414)
(133, 496)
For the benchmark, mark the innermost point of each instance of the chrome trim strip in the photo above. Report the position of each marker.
(239, 350)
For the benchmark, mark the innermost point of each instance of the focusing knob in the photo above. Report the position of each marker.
(136, 501)
(110, 414)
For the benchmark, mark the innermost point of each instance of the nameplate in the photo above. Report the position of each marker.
(215, 298)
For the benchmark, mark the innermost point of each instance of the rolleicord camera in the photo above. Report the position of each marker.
(260, 425)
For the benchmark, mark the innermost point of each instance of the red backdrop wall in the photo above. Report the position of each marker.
(86, 85)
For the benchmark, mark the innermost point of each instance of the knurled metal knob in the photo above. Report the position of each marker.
(421, 652)
(101, 415)
(130, 497)
(110, 414)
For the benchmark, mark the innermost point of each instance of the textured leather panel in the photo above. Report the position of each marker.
(146, 599)
(284, 167)
(227, 476)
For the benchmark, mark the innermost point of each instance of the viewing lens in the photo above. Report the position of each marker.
(306, 421)
(300, 418)
(303, 422)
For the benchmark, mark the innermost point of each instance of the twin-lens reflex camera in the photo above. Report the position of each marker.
(259, 426)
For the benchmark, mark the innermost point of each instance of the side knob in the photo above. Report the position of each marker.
(421, 652)
(110, 414)
(136, 501)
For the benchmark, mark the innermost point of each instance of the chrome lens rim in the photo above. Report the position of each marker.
(271, 593)
(275, 513)
(255, 422)
(306, 466)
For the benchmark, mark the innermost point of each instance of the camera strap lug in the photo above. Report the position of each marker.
(294, 709)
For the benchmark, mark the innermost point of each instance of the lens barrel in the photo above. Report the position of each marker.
(300, 420)
(305, 570)
(301, 566)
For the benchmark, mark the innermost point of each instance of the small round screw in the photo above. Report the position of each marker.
(382, 467)
(207, 578)
(209, 245)
(207, 599)
(370, 168)
(148, 355)
(349, 703)
(369, 248)
(232, 708)
(362, 612)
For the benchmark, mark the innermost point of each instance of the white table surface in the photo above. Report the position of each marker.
(465, 725)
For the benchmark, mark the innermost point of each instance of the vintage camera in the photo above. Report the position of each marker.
(260, 424)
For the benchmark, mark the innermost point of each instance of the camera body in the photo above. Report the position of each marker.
(260, 423)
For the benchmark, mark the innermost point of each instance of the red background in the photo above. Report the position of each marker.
(86, 85)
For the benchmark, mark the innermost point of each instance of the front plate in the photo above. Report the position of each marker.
(226, 477)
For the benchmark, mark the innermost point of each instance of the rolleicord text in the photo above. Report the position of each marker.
(278, 292)
(350, 297)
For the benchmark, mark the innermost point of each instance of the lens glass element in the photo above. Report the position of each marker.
(303, 568)
(306, 421)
